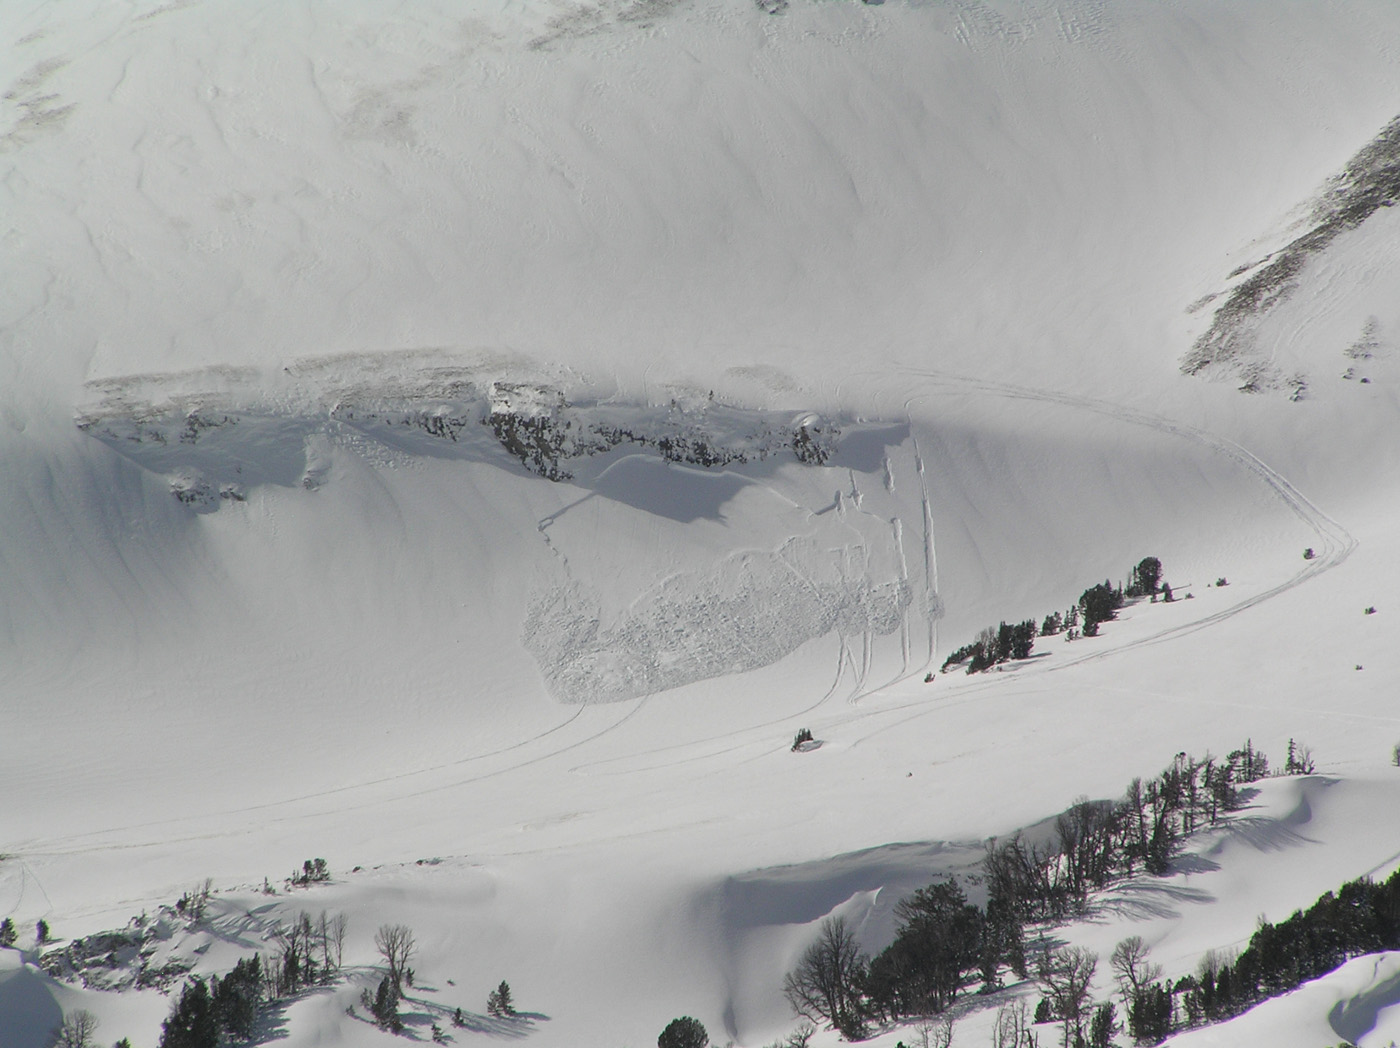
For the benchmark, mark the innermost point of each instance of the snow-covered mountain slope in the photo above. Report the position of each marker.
(489, 432)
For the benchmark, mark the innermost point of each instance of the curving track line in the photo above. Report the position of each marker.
(1335, 543)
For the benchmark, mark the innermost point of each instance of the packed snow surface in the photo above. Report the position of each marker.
(466, 442)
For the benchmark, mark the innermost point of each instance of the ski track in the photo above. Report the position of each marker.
(1336, 542)
(50, 846)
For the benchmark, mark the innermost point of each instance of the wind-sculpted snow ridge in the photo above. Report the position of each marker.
(214, 444)
(1233, 344)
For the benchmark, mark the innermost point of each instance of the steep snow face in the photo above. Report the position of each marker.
(1285, 310)
(1019, 188)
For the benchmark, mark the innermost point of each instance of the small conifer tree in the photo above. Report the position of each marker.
(385, 1006)
(498, 1002)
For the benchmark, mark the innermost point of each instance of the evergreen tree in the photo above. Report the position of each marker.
(7, 932)
(498, 1002)
(237, 996)
(1099, 604)
(192, 1023)
(939, 939)
(1248, 764)
(1150, 1014)
(1003, 941)
(1143, 578)
(1022, 639)
(1103, 1026)
(385, 1006)
(684, 1032)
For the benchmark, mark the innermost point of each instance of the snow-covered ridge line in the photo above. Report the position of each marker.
(214, 444)
(1369, 182)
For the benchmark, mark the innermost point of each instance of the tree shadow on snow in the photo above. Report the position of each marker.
(515, 1027)
(1264, 834)
(1144, 900)
(420, 1016)
(1192, 863)
(271, 1022)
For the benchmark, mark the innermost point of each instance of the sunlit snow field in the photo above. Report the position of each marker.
(272, 587)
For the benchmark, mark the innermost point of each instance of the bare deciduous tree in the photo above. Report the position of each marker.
(395, 944)
(77, 1030)
(1013, 1027)
(800, 1037)
(1132, 969)
(935, 1033)
(825, 985)
(1065, 975)
(330, 929)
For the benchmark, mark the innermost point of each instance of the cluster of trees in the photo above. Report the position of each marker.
(396, 944)
(309, 953)
(9, 934)
(194, 902)
(204, 1011)
(941, 942)
(1361, 917)
(313, 871)
(994, 645)
(1098, 842)
(944, 945)
(1300, 760)
(499, 1003)
(1099, 603)
(1144, 577)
